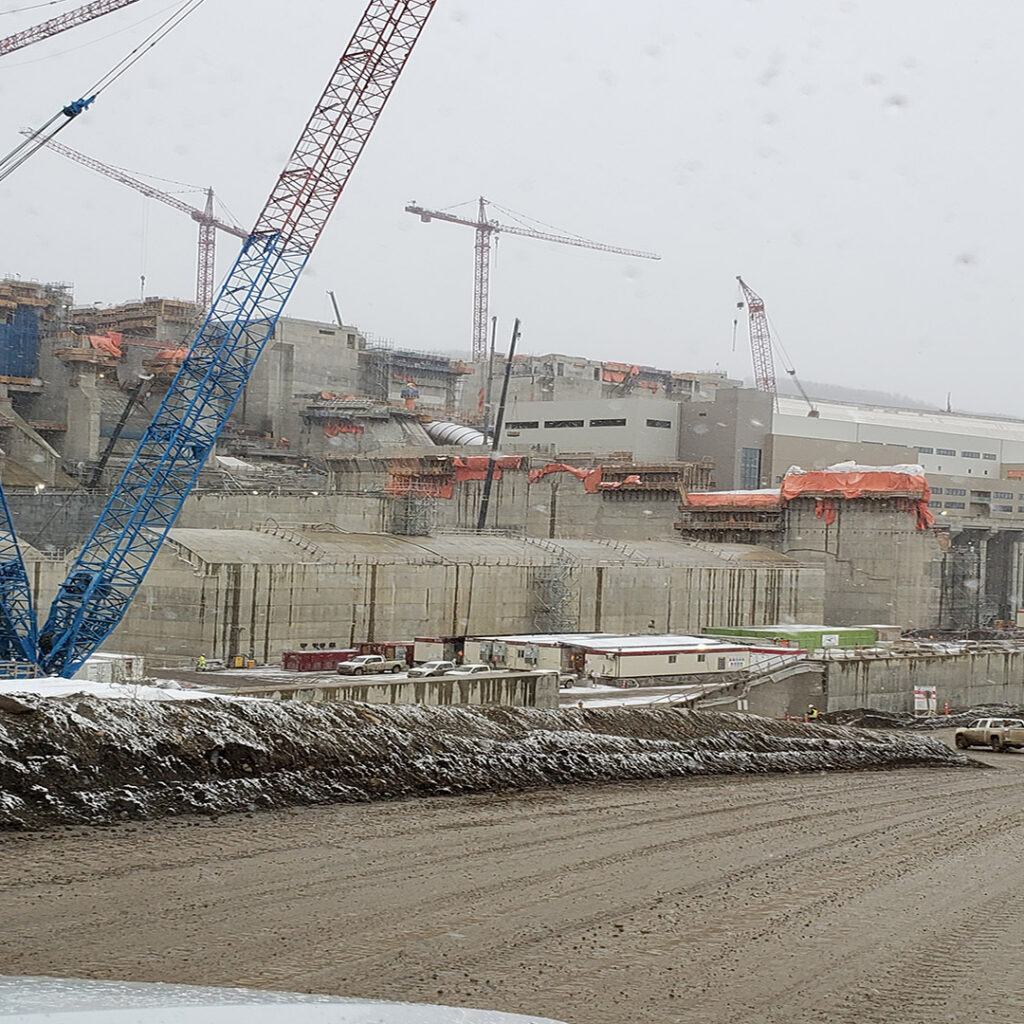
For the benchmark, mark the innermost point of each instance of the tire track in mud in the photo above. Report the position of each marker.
(783, 898)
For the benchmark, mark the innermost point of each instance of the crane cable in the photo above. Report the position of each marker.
(40, 136)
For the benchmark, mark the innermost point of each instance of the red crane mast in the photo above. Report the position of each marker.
(61, 23)
(208, 223)
(485, 230)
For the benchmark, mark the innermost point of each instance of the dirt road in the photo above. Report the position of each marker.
(847, 897)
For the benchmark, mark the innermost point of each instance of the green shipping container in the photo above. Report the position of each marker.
(809, 638)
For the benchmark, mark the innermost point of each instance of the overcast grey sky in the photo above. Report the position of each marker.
(856, 162)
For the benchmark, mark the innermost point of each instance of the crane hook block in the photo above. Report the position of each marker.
(75, 107)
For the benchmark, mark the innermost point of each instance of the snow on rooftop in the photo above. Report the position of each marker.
(911, 469)
(611, 641)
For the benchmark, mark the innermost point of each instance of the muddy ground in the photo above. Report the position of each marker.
(88, 760)
(841, 897)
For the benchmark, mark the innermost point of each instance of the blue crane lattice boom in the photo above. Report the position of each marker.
(105, 576)
(17, 614)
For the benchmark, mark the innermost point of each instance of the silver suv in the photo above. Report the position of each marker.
(432, 668)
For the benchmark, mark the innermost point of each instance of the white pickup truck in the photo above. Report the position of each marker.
(998, 733)
(368, 664)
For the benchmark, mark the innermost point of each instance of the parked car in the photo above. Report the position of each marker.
(470, 670)
(367, 664)
(432, 668)
(998, 733)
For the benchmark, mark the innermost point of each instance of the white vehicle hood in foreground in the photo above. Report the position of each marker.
(71, 1001)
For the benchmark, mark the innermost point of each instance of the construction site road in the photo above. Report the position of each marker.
(851, 898)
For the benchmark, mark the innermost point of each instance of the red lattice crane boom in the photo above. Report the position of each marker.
(485, 229)
(208, 223)
(760, 340)
(61, 23)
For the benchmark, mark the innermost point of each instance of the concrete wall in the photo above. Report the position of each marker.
(738, 418)
(524, 690)
(775, 698)
(635, 435)
(817, 453)
(964, 680)
(878, 566)
(186, 607)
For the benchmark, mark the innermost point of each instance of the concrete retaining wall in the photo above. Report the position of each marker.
(963, 680)
(520, 689)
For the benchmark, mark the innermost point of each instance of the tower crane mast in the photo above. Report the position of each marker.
(61, 23)
(485, 229)
(208, 223)
(103, 579)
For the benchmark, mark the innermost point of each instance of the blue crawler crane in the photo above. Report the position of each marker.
(104, 578)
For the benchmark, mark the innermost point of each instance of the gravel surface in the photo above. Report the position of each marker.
(840, 897)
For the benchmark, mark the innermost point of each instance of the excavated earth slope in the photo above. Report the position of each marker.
(88, 760)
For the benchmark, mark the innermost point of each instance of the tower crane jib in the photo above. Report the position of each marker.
(485, 228)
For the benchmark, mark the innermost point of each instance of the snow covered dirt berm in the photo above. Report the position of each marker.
(75, 760)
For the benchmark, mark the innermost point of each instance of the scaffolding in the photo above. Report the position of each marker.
(556, 598)
(413, 513)
(379, 354)
(556, 591)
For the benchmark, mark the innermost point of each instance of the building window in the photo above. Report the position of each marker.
(955, 490)
(750, 469)
(563, 423)
(991, 456)
(523, 425)
(671, 659)
(954, 504)
(970, 455)
(935, 504)
(1002, 508)
(607, 423)
(664, 424)
(702, 657)
(944, 451)
(597, 373)
(351, 341)
(924, 451)
(322, 331)
(1002, 494)
(936, 490)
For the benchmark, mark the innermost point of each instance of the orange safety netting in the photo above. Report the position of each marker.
(474, 467)
(421, 486)
(735, 499)
(172, 353)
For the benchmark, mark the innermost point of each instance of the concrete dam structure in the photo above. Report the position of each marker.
(256, 592)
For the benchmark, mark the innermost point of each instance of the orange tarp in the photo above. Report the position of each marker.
(109, 343)
(833, 484)
(856, 485)
(853, 485)
(474, 467)
(591, 477)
